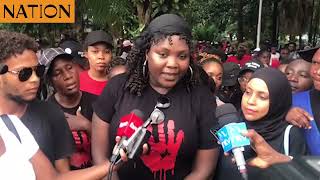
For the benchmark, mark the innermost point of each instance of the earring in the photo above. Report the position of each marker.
(3, 68)
(191, 73)
(144, 68)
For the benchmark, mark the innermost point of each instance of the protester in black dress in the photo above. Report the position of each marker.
(160, 64)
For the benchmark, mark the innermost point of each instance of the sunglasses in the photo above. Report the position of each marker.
(25, 73)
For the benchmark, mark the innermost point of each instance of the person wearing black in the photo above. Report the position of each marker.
(264, 105)
(160, 64)
(20, 75)
(230, 91)
(63, 75)
(306, 104)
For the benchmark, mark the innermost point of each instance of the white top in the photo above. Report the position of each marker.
(15, 162)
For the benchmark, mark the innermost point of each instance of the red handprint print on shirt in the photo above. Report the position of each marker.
(163, 152)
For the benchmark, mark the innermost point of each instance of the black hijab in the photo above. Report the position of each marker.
(273, 124)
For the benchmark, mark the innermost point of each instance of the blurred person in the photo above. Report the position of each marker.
(298, 74)
(274, 54)
(20, 75)
(246, 72)
(63, 76)
(125, 49)
(284, 55)
(264, 57)
(214, 69)
(74, 48)
(118, 65)
(230, 89)
(98, 47)
(305, 113)
(242, 57)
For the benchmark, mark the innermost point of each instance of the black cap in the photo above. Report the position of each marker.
(251, 66)
(308, 54)
(74, 48)
(230, 74)
(98, 36)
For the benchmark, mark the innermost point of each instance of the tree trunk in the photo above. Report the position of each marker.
(310, 33)
(316, 26)
(240, 20)
(274, 38)
(144, 10)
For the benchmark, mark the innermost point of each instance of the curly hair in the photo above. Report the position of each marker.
(137, 81)
(12, 43)
(117, 61)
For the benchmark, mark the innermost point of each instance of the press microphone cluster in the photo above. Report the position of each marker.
(229, 135)
(133, 131)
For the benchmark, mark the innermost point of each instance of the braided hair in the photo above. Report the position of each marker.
(137, 80)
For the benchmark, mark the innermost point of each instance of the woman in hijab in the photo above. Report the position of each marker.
(264, 105)
(160, 65)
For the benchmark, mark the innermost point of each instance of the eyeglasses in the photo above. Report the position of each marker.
(25, 73)
(243, 79)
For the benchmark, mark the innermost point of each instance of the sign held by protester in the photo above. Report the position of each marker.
(37, 11)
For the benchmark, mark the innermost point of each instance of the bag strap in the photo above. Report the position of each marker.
(286, 140)
(7, 121)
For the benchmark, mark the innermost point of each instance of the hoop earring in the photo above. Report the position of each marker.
(191, 73)
(144, 67)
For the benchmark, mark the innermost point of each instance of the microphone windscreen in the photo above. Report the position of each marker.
(227, 114)
(224, 109)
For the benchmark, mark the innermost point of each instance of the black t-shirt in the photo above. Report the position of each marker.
(49, 127)
(81, 158)
(85, 103)
(175, 142)
(315, 105)
(226, 169)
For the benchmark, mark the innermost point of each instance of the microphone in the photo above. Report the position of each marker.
(229, 135)
(129, 124)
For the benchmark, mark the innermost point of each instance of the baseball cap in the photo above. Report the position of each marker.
(230, 74)
(74, 48)
(308, 54)
(251, 66)
(127, 43)
(98, 36)
(48, 55)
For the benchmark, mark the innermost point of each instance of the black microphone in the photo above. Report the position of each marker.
(229, 135)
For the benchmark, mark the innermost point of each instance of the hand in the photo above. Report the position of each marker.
(163, 149)
(299, 117)
(266, 155)
(123, 154)
(78, 122)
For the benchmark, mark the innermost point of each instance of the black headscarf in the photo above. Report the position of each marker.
(166, 24)
(273, 124)
(170, 24)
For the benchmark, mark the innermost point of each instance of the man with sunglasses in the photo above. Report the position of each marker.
(20, 75)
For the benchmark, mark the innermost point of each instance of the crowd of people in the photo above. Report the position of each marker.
(62, 107)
